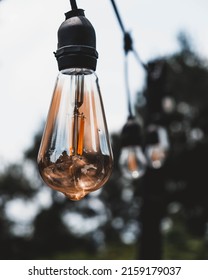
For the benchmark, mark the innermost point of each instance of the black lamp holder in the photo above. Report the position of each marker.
(131, 134)
(76, 42)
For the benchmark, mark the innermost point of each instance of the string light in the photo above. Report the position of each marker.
(132, 160)
(156, 146)
(75, 155)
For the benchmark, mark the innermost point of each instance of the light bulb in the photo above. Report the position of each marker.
(75, 155)
(132, 160)
(157, 146)
(156, 156)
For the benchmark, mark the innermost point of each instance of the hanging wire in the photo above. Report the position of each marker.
(118, 16)
(128, 46)
(73, 4)
(139, 60)
(127, 87)
(128, 42)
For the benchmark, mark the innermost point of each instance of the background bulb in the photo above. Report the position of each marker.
(132, 162)
(157, 147)
(156, 156)
(75, 155)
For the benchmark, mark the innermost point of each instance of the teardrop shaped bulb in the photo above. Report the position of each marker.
(75, 155)
(157, 146)
(156, 156)
(132, 162)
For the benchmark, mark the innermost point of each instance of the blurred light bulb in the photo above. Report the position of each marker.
(132, 160)
(157, 146)
(155, 155)
(168, 104)
(75, 155)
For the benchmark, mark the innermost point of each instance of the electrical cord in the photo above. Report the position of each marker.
(128, 41)
(126, 69)
(128, 46)
(73, 4)
(118, 16)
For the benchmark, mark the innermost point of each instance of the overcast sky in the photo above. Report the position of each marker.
(28, 69)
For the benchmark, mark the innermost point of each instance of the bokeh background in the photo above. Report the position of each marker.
(163, 215)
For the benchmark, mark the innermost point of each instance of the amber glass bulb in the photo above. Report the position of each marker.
(75, 155)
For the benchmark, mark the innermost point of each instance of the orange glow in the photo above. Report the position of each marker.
(81, 137)
(132, 164)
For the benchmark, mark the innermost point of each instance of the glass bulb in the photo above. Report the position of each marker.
(132, 162)
(156, 156)
(75, 155)
(156, 151)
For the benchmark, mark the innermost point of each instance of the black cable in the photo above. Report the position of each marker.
(128, 42)
(73, 4)
(118, 16)
(128, 46)
(139, 60)
(127, 87)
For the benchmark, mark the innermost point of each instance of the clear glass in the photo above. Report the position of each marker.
(157, 153)
(132, 162)
(156, 156)
(75, 155)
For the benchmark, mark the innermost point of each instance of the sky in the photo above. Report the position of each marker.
(28, 68)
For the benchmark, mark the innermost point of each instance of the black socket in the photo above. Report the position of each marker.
(76, 42)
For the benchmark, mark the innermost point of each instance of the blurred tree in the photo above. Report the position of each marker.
(176, 98)
(13, 185)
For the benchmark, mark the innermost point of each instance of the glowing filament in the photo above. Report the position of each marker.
(132, 162)
(77, 141)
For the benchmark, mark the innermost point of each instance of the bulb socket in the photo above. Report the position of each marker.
(152, 136)
(76, 42)
(131, 134)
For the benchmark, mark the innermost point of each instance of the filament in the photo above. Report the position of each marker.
(77, 133)
(81, 136)
(132, 163)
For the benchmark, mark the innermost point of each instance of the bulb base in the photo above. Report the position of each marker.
(131, 134)
(76, 42)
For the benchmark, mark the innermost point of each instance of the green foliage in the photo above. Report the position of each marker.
(180, 244)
